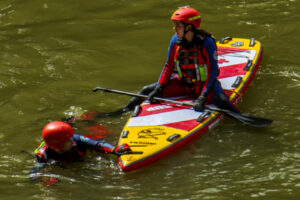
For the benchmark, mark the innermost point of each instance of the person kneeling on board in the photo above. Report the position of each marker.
(61, 145)
(191, 67)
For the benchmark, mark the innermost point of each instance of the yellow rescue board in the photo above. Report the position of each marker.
(160, 129)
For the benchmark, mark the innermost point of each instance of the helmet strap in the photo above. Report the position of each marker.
(184, 29)
(182, 41)
(190, 29)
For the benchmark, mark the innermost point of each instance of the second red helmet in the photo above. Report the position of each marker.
(56, 133)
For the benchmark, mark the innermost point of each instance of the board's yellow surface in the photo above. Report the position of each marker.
(152, 139)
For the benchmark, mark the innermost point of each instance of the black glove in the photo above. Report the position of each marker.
(121, 149)
(156, 92)
(199, 105)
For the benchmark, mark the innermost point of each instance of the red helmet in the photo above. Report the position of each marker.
(56, 133)
(188, 16)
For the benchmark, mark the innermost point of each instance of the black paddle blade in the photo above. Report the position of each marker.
(249, 120)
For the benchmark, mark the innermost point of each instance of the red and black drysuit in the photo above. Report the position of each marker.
(191, 69)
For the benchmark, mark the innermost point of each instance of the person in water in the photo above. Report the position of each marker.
(191, 67)
(61, 145)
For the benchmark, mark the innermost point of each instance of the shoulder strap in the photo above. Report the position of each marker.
(39, 147)
(40, 152)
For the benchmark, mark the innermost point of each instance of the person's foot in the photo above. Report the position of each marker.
(112, 114)
(69, 120)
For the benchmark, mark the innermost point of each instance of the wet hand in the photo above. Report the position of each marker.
(121, 149)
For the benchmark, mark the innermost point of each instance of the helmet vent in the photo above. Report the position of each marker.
(186, 6)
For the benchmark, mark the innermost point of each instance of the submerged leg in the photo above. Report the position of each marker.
(134, 101)
(129, 107)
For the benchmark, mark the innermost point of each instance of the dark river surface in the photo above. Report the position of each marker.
(53, 53)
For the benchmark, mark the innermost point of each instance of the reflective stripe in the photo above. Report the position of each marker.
(177, 64)
(193, 18)
(197, 68)
(178, 69)
(40, 151)
(40, 146)
(203, 72)
(198, 72)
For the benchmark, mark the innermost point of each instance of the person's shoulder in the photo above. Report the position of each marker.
(209, 41)
(80, 138)
(174, 39)
(76, 137)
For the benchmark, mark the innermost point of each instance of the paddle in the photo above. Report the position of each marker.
(249, 120)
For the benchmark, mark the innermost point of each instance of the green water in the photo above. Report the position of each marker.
(53, 53)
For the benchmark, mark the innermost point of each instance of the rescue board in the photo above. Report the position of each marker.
(159, 129)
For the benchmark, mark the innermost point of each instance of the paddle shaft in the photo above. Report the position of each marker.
(142, 96)
(249, 120)
(155, 98)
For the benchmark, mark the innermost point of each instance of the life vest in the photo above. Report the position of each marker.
(191, 64)
(40, 152)
(44, 154)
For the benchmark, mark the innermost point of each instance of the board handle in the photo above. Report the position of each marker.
(173, 137)
(227, 39)
(252, 42)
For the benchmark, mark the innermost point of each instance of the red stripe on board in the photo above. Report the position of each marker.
(232, 70)
(184, 125)
(223, 60)
(151, 109)
(228, 93)
(227, 50)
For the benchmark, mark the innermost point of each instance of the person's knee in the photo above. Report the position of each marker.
(147, 89)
